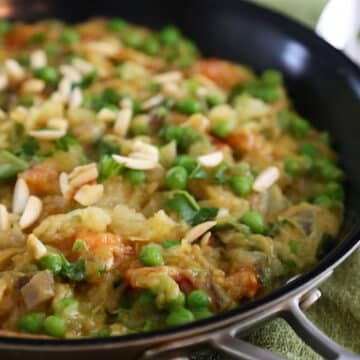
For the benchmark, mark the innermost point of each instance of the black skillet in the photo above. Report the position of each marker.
(325, 87)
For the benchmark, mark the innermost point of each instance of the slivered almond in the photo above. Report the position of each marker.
(212, 159)
(47, 134)
(89, 194)
(266, 179)
(106, 115)
(38, 59)
(81, 169)
(152, 102)
(197, 231)
(33, 86)
(57, 124)
(133, 163)
(126, 103)
(4, 218)
(171, 76)
(31, 212)
(21, 195)
(76, 98)
(64, 184)
(35, 247)
(122, 122)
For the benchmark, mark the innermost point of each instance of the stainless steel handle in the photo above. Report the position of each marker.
(305, 329)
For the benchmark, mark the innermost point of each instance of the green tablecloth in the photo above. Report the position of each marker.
(337, 312)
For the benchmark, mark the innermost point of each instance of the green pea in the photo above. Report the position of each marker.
(170, 243)
(135, 177)
(46, 73)
(254, 220)
(268, 94)
(170, 35)
(198, 299)
(179, 316)
(146, 299)
(272, 77)
(179, 302)
(176, 178)
(52, 49)
(69, 36)
(55, 326)
(300, 127)
(186, 162)
(189, 106)
(327, 170)
(308, 150)
(214, 100)
(32, 323)
(222, 128)
(322, 200)
(151, 46)
(116, 24)
(140, 126)
(335, 191)
(325, 138)
(162, 112)
(240, 185)
(133, 39)
(52, 262)
(150, 255)
(291, 167)
(202, 314)
(5, 27)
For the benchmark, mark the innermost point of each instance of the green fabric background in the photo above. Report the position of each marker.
(337, 312)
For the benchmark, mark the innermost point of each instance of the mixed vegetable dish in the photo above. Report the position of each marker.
(144, 186)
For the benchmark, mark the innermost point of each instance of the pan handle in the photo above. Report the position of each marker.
(292, 312)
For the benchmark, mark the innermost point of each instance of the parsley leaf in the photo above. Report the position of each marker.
(204, 214)
(74, 271)
(108, 168)
(12, 165)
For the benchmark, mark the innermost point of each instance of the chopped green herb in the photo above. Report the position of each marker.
(79, 245)
(108, 168)
(204, 214)
(294, 247)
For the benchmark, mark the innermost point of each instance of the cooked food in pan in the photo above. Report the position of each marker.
(144, 186)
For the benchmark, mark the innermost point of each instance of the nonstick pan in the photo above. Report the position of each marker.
(325, 86)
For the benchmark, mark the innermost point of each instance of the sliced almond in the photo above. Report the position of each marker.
(35, 247)
(33, 86)
(64, 184)
(126, 103)
(212, 159)
(70, 73)
(266, 179)
(197, 231)
(47, 134)
(21, 196)
(76, 98)
(152, 102)
(57, 124)
(4, 218)
(83, 66)
(171, 76)
(105, 48)
(204, 241)
(106, 115)
(136, 164)
(89, 194)
(4, 82)
(82, 175)
(14, 69)
(198, 122)
(64, 88)
(122, 121)
(150, 151)
(31, 212)
(38, 59)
